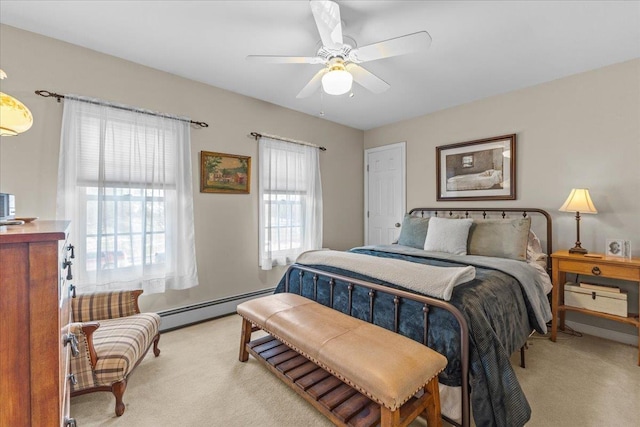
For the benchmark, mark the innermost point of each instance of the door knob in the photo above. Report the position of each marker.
(397, 225)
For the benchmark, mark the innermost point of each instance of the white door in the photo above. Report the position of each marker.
(385, 194)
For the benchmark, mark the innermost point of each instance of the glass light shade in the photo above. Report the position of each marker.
(337, 82)
(15, 118)
(579, 200)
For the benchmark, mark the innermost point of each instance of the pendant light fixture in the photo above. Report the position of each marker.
(15, 117)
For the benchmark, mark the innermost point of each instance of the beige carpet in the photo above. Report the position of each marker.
(198, 381)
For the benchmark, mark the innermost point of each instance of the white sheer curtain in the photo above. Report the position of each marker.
(290, 201)
(124, 181)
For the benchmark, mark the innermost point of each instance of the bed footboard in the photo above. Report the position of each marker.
(398, 296)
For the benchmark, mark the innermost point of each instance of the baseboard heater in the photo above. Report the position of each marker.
(196, 313)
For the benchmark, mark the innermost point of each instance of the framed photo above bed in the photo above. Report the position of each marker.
(484, 169)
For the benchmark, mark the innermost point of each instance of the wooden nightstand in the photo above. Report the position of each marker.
(610, 267)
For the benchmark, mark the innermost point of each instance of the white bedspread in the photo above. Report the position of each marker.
(474, 181)
(434, 281)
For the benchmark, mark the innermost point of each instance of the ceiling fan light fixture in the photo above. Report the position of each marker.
(337, 81)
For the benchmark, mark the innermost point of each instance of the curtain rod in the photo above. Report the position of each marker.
(48, 94)
(257, 135)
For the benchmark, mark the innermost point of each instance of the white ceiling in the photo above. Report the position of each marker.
(479, 48)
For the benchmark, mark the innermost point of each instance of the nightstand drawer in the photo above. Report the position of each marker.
(595, 268)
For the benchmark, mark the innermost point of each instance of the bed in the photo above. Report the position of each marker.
(475, 181)
(477, 326)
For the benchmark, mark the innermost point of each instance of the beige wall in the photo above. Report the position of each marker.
(225, 225)
(579, 131)
(583, 130)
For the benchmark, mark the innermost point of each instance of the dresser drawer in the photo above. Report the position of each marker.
(594, 268)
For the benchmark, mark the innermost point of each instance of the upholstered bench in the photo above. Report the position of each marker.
(113, 338)
(385, 378)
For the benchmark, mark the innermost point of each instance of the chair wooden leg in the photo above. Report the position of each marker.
(433, 414)
(118, 391)
(245, 337)
(156, 350)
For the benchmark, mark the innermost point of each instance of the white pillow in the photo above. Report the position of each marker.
(448, 235)
(534, 246)
(535, 253)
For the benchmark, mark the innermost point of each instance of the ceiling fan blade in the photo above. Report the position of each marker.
(313, 84)
(275, 59)
(327, 17)
(367, 79)
(393, 47)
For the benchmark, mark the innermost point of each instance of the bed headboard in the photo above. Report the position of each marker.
(540, 219)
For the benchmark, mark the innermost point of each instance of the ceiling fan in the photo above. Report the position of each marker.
(341, 59)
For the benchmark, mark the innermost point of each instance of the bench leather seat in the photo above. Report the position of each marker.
(385, 366)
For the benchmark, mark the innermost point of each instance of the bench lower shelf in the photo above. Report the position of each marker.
(339, 402)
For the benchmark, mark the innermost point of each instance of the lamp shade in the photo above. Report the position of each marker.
(579, 200)
(337, 82)
(15, 118)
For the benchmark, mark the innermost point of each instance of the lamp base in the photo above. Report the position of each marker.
(577, 250)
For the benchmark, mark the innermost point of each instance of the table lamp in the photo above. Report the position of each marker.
(578, 201)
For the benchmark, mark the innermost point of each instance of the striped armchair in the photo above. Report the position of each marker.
(113, 337)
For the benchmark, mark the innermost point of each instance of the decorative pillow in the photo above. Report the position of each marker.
(448, 235)
(502, 238)
(413, 231)
(534, 246)
(535, 253)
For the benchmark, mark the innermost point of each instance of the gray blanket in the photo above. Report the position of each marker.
(409, 275)
(529, 277)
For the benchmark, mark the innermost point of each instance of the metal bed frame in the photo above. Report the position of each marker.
(427, 302)
(398, 295)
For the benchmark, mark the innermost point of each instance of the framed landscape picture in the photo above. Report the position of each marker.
(484, 169)
(224, 173)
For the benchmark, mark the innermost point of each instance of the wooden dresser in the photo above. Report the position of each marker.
(35, 274)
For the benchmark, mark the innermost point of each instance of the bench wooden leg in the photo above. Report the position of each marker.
(245, 337)
(432, 412)
(389, 418)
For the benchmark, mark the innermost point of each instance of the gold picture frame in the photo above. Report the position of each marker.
(224, 173)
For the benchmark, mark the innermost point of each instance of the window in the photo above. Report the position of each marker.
(134, 233)
(291, 201)
(125, 184)
(284, 225)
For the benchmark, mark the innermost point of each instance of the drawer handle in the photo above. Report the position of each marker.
(71, 339)
(70, 422)
(596, 271)
(72, 378)
(72, 249)
(72, 291)
(67, 264)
